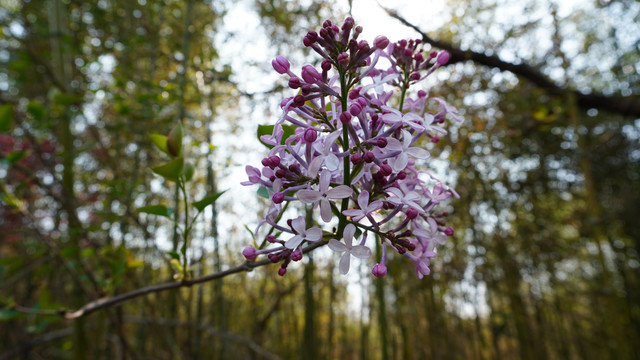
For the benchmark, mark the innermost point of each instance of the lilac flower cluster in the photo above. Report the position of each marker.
(352, 150)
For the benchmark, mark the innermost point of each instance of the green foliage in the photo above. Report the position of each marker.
(171, 170)
(206, 201)
(6, 118)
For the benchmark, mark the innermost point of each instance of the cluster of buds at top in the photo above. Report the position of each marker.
(352, 151)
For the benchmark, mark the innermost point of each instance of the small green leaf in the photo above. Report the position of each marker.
(65, 99)
(174, 255)
(8, 314)
(174, 141)
(160, 210)
(262, 191)
(160, 141)
(208, 200)
(188, 171)
(171, 170)
(36, 110)
(6, 118)
(15, 156)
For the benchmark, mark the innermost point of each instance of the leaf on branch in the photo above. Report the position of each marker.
(174, 141)
(6, 118)
(171, 170)
(160, 141)
(208, 200)
(174, 255)
(160, 210)
(262, 191)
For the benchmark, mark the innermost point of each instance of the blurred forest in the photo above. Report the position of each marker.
(545, 262)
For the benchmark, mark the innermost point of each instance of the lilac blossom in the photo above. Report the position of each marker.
(343, 133)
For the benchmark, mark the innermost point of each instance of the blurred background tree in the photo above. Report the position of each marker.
(545, 261)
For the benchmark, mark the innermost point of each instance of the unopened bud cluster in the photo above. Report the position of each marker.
(354, 154)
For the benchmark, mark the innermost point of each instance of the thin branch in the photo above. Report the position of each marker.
(625, 106)
(118, 299)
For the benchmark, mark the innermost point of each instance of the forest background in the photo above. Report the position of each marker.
(545, 262)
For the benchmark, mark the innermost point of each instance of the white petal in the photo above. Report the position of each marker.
(313, 234)
(345, 261)
(376, 205)
(332, 162)
(325, 179)
(336, 245)
(340, 192)
(418, 153)
(393, 144)
(398, 164)
(308, 196)
(298, 225)
(325, 210)
(315, 165)
(348, 232)
(361, 252)
(355, 214)
(294, 242)
(363, 199)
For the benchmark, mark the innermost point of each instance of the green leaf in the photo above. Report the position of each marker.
(188, 171)
(268, 130)
(66, 99)
(174, 141)
(6, 118)
(160, 141)
(174, 255)
(15, 156)
(262, 191)
(8, 314)
(36, 110)
(171, 170)
(160, 210)
(208, 200)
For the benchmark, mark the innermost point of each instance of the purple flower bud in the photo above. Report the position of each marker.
(345, 117)
(278, 198)
(418, 57)
(407, 53)
(310, 38)
(299, 100)
(294, 83)
(281, 64)
(310, 74)
(343, 59)
(402, 175)
(250, 253)
(415, 76)
(381, 143)
(356, 159)
(274, 258)
(271, 238)
(422, 93)
(296, 255)
(379, 270)
(282, 271)
(369, 157)
(381, 42)
(433, 54)
(310, 135)
(435, 139)
(326, 65)
(443, 57)
(275, 160)
(327, 23)
(305, 89)
(412, 213)
(348, 24)
(386, 170)
(266, 162)
(280, 173)
(402, 43)
(355, 93)
(355, 109)
(448, 231)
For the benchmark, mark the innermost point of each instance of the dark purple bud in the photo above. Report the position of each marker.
(281, 64)
(281, 173)
(299, 100)
(381, 42)
(445, 213)
(289, 222)
(356, 159)
(407, 53)
(412, 213)
(327, 23)
(296, 255)
(310, 135)
(386, 170)
(355, 109)
(402, 175)
(295, 168)
(274, 258)
(250, 253)
(355, 93)
(415, 76)
(294, 83)
(282, 271)
(266, 162)
(448, 231)
(379, 270)
(310, 38)
(275, 160)
(278, 198)
(348, 24)
(310, 74)
(422, 93)
(369, 157)
(402, 44)
(345, 117)
(343, 59)
(271, 238)
(305, 89)
(435, 139)
(433, 54)
(443, 57)
(272, 178)
(326, 65)
(418, 57)
(381, 143)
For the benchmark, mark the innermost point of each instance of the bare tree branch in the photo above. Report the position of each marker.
(118, 299)
(625, 106)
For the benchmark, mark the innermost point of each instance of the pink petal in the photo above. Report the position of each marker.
(361, 252)
(418, 153)
(340, 192)
(294, 242)
(313, 234)
(363, 199)
(345, 261)
(325, 210)
(298, 225)
(308, 196)
(336, 245)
